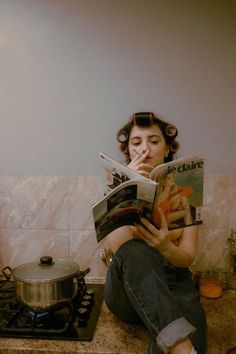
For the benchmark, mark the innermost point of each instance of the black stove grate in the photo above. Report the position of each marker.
(76, 321)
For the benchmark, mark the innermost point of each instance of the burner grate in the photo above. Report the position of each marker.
(76, 321)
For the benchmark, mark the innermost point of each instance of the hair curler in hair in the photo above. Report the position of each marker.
(174, 146)
(171, 130)
(143, 118)
(122, 136)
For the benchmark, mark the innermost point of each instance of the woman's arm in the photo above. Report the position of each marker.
(183, 254)
(119, 236)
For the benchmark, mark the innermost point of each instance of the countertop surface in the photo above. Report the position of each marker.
(221, 320)
(113, 337)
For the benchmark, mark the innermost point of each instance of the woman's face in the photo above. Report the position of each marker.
(150, 138)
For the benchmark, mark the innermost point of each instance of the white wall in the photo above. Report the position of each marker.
(73, 71)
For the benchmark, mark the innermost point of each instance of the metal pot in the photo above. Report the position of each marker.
(47, 284)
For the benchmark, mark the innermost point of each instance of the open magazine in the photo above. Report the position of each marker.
(176, 187)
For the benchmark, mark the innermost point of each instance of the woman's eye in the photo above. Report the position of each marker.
(136, 143)
(155, 142)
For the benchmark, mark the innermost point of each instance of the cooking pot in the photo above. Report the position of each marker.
(46, 284)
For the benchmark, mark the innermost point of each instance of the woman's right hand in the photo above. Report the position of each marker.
(138, 164)
(156, 238)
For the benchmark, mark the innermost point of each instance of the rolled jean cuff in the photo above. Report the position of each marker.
(173, 333)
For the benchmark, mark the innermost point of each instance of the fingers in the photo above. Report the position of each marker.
(143, 173)
(151, 235)
(146, 235)
(150, 227)
(138, 164)
(141, 156)
(143, 231)
(144, 167)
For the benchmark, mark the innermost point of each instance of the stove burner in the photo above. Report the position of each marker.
(35, 319)
(39, 315)
(75, 321)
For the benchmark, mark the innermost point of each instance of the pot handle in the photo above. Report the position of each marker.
(82, 273)
(6, 275)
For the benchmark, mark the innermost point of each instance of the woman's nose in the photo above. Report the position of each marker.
(144, 146)
(143, 150)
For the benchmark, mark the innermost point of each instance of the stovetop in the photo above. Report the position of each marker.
(75, 321)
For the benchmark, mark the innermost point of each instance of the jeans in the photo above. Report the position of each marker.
(143, 288)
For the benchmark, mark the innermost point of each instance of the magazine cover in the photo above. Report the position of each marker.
(180, 193)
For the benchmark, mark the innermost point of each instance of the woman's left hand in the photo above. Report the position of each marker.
(157, 238)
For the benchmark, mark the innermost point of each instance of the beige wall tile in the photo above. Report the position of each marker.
(34, 202)
(84, 250)
(19, 246)
(232, 201)
(213, 250)
(216, 200)
(83, 192)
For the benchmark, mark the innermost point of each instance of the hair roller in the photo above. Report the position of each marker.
(122, 136)
(174, 146)
(171, 131)
(143, 118)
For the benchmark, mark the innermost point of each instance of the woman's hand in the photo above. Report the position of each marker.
(180, 255)
(157, 238)
(138, 164)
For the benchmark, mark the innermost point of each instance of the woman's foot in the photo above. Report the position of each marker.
(183, 347)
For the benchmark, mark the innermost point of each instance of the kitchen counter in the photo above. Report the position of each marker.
(113, 337)
(221, 320)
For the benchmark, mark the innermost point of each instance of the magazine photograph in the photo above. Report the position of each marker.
(180, 195)
(124, 206)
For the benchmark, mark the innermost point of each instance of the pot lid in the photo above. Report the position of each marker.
(46, 270)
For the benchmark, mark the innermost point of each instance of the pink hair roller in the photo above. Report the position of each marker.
(122, 136)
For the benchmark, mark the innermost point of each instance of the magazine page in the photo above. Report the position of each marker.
(180, 192)
(115, 173)
(123, 206)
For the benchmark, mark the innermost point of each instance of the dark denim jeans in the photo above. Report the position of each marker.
(141, 287)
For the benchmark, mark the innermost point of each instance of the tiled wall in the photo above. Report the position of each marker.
(219, 218)
(52, 216)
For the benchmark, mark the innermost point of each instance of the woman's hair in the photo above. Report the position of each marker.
(147, 119)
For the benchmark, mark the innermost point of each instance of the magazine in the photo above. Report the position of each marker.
(176, 187)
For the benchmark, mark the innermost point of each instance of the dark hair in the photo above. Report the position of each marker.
(147, 119)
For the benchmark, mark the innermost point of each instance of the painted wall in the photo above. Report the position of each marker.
(73, 71)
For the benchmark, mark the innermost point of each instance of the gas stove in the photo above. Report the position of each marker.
(75, 321)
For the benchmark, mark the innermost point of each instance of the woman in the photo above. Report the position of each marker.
(148, 280)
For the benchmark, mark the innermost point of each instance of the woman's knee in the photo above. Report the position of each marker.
(137, 250)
